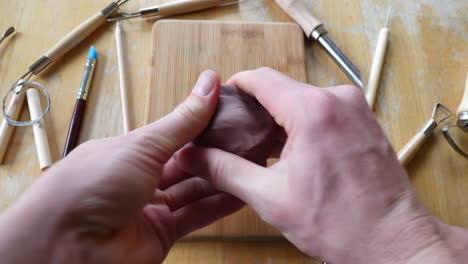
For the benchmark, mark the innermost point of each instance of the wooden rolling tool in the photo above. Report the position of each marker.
(462, 122)
(377, 64)
(410, 149)
(39, 129)
(13, 110)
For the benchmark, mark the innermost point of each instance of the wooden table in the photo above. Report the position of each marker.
(427, 63)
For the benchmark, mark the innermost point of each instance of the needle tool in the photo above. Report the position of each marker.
(80, 104)
(62, 47)
(173, 8)
(314, 28)
(123, 79)
(7, 33)
(377, 63)
(440, 113)
(462, 122)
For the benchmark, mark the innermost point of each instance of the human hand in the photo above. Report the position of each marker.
(119, 200)
(337, 191)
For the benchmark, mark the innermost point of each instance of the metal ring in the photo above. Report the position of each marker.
(22, 85)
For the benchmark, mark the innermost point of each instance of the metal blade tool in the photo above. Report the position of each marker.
(462, 123)
(314, 28)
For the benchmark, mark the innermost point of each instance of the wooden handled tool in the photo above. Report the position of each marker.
(13, 110)
(412, 147)
(377, 64)
(39, 129)
(174, 8)
(314, 28)
(72, 39)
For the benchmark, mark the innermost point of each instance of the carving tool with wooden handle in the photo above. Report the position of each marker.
(174, 8)
(462, 122)
(377, 63)
(410, 149)
(68, 42)
(314, 28)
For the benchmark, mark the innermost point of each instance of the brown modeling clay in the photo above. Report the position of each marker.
(240, 125)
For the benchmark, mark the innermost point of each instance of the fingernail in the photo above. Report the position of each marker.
(204, 85)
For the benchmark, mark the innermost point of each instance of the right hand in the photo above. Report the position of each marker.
(338, 191)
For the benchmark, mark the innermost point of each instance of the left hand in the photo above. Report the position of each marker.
(119, 200)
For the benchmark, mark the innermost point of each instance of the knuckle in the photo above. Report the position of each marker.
(217, 172)
(265, 70)
(321, 108)
(155, 145)
(188, 113)
(354, 95)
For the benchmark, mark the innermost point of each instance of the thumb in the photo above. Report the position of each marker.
(227, 172)
(164, 137)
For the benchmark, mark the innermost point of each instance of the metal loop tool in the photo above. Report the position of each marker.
(17, 90)
(55, 53)
(440, 113)
(462, 122)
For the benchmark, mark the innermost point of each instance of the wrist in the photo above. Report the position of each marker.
(409, 234)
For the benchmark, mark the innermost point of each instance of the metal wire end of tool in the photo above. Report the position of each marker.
(440, 113)
(153, 12)
(462, 123)
(7, 33)
(121, 2)
(388, 15)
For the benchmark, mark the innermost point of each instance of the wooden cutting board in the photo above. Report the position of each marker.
(182, 49)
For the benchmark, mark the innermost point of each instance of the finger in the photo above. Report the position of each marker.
(204, 212)
(352, 95)
(172, 174)
(188, 191)
(277, 92)
(226, 171)
(162, 138)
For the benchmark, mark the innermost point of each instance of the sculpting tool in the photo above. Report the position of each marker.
(462, 122)
(377, 63)
(78, 112)
(174, 8)
(13, 110)
(123, 83)
(410, 149)
(39, 129)
(7, 33)
(69, 42)
(314, 28)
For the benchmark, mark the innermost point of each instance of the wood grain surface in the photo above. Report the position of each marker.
(182, 49)
(426, 62)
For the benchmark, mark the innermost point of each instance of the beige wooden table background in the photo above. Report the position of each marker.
(427, 62)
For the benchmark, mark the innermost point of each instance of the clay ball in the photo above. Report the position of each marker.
(240, 125)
